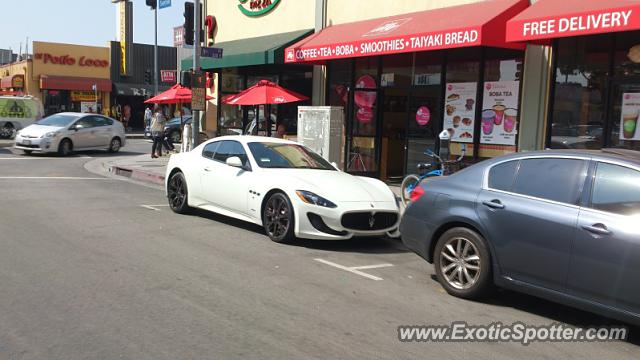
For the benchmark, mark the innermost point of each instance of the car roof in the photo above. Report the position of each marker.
(245, 139)
(626, 155)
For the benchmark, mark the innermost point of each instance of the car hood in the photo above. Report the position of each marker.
(39, 130)
(337, 186)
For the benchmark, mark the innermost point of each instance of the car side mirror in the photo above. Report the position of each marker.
(75, 127)
(235, 162)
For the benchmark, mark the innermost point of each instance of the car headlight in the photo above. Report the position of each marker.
(311, 198)
(51, 134)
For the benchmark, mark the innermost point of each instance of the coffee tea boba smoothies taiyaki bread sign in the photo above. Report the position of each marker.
(257, 7)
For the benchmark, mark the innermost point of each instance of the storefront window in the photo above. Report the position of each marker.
(339, 81)
(397, 71)
(500, 102)
(428, 68)
(578, 118)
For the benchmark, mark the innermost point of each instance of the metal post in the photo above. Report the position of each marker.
(195, 122)
(155, 54)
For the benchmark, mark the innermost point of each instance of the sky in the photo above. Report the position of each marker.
(82, 22)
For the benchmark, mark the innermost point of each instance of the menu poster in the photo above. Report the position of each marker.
(460, 110)
(500, 112)
(629, 117)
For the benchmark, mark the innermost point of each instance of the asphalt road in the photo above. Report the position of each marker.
(93, 267)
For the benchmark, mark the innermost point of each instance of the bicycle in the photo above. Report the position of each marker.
(410, 182)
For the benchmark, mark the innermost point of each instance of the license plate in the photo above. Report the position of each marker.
(26, 142)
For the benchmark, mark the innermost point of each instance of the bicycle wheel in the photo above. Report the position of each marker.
(408, 184)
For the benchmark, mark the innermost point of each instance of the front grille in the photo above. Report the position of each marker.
(320, 225)
(369, 221)
(29, 136)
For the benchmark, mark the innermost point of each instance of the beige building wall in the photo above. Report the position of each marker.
(77, 52)
(25, 67)
(288, 15)
(341, 11)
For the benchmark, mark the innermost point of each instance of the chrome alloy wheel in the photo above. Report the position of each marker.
(460, 263)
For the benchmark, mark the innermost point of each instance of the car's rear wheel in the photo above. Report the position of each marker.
(8, 131)
(175, 136)
(177, 193)
(114, 145)
(65, 147)
(463, 263)
(277, 218)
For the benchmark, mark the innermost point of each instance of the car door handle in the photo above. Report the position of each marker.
(208, 169)
(599, 229)
(494, 204)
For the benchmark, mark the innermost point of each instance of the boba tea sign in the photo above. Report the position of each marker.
(629, 117)
(500, 112)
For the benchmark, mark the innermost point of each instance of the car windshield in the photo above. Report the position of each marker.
(287, 156)
(57, 120)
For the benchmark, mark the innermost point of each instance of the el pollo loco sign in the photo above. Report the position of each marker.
(70, 60)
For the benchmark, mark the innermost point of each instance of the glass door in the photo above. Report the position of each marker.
(425, 117)
(394, 130)
(624, 123)
(362, 156)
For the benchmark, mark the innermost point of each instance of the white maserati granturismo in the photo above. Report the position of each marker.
(281, 185)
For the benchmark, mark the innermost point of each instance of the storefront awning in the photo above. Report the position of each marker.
(73, 83)
(124, 89)
(481, 23)
(253, 51)
(12, 81)
(549, 19)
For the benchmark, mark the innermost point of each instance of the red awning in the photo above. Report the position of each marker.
(73, 83)
(549, 19)
(6, 82)
(481, 23)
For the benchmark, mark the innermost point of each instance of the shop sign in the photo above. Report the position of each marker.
(84, 96)
(423, 116)
(68, 60)
(88, 107)
(500, 112)
(168, 76)
(629, 117)
(594, 22)
(257, 7)
(199, 92)
(389, 45)
(460, 110)
(388, 80)
(17, 81)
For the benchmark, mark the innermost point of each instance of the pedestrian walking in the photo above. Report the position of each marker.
(157, 132)
(147, 117)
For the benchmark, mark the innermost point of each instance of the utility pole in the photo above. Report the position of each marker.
(195, 122)
(155, 53)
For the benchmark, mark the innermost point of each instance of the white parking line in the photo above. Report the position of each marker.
(356, 269)
(154, 207)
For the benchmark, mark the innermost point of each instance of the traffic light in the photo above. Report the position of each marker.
(147, 76)
(188, 23)
(152, 4)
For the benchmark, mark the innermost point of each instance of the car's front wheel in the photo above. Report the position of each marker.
(115, 145)
(463, 264)
(65, 147)
(177, 193)
(277, 218)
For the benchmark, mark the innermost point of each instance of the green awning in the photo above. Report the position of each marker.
(253, 51)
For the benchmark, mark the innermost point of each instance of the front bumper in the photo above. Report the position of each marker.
(36, 144)
(320, 223)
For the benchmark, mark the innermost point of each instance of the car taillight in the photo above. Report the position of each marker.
(417, 193)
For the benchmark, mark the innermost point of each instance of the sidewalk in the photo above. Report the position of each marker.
(144, 168)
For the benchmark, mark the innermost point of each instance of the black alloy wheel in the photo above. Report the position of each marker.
(177, 193)
(277, 218)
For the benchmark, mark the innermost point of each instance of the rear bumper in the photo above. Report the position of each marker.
(416, 235)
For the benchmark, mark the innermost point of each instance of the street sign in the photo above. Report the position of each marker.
(211, 52)
(164, 4)
(198, 91)
(168, 76)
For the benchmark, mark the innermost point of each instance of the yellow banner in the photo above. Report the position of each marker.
(84, 96)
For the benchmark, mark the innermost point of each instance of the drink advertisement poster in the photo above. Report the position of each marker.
(629, 121)
(460, 110)
(500, 112)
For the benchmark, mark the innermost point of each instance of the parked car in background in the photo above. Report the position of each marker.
(18, 112)
(281, 185)
(562, 225)
(173, 130)
(67, 132)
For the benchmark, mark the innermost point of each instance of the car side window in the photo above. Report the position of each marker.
(85, 122)
(210, 149)
(556, 179)
(229, 148)
(501, 176)
(616, 189)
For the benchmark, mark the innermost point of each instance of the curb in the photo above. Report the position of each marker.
(137, 174)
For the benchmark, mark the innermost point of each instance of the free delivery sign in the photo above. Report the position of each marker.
(528, 26)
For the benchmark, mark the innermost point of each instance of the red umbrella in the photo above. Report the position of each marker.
(262, 93)
(177, 94)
